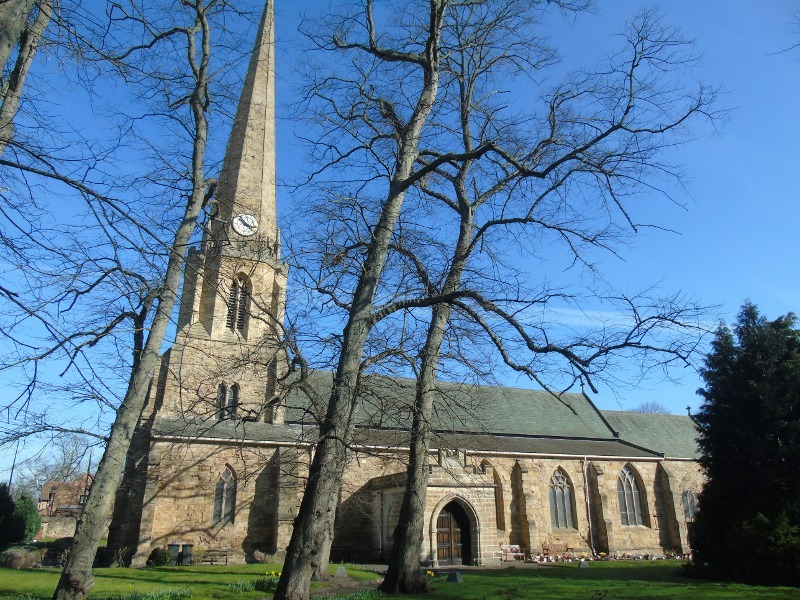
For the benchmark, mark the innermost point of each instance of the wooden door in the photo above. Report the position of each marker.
(448, 539)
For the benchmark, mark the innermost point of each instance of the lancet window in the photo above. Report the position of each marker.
(630, 498)
(225, 497)
(561, 513)
(227, 401)
(689, 502)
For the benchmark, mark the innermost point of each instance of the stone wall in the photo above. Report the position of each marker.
(506, 500)
(57, 527)
(180, 496)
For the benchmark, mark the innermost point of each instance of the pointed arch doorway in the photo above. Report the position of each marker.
(453, 538)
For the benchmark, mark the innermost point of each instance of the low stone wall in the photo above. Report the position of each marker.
(57, 527)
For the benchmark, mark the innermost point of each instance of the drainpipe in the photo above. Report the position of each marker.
(586, 498)
(383, 524)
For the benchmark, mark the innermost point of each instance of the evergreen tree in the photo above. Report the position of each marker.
(26, 521)
(6, 515)
(748, 525)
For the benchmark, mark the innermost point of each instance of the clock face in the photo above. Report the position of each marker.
(245, 225)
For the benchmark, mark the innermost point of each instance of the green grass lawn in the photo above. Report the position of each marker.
(610, 580)
(207, 583)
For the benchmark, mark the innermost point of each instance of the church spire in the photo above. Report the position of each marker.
(247, 181)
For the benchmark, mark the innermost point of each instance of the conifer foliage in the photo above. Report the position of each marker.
(748, 525)
(19, 521)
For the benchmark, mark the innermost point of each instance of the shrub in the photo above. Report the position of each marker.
(198, 555)
(20, 558)
(63, 556)
(26, 520)
(120, 557)
(159, 557)
(268, 583)
(55, 551)
(261, 557)
(101, 557)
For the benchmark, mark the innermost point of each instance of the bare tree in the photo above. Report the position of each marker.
(565, 173)
(660, 331)
(13, 14)
(66, 458)
(652, 407)
(143, 290)
(312, 535)
(77, 579)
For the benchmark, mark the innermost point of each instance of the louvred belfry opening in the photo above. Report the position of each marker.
(237, 305)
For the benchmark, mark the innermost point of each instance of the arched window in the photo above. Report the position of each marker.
(237, 304)
(689, 502)
(222, 401)
(225, 497)
(233, 401)
(561, 513)
(227, 401)
(630, 502)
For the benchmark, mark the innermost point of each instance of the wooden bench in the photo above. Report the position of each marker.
(513, 551)
(554, 549)
(213, 557)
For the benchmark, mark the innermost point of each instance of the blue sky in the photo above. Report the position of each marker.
(734, 237)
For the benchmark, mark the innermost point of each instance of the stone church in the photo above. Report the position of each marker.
(219, 458)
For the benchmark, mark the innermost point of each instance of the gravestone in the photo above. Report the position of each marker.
(341, 573)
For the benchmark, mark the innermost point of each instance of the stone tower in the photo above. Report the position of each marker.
(221, 372)
(224, 363)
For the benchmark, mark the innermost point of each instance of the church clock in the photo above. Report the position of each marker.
(245, 225)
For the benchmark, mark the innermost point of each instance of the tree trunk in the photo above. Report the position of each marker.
(29, 39)
(312, 535)
(320, 570)
(13, 16)
(404, 575)
(77, 579)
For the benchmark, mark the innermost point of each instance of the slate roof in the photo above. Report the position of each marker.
(467, 408)
(472, 417)
(233, 431)
(227, 430)
(674, 435)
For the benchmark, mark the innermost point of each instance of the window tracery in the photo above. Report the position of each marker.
(630, 500)
(561, 513)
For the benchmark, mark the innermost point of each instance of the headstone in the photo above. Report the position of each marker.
(454, 577)
(583, 564)
(341, 573)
